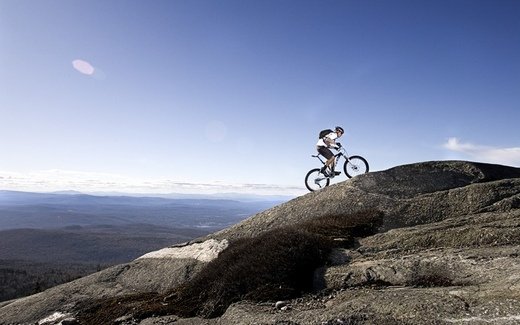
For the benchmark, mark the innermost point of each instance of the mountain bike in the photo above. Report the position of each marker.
(353, 166)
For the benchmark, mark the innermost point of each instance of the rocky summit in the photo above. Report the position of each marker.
(426, 243)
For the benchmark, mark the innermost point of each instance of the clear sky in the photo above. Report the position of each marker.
(226, 96)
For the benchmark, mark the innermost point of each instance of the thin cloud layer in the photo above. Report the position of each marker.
(504, 156)
(60, 180)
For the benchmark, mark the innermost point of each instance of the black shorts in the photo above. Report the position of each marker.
(325, 152)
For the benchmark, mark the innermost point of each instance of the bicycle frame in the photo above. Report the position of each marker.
(342, 152)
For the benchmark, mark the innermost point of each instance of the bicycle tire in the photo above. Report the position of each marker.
(355, 165)
(313, 180)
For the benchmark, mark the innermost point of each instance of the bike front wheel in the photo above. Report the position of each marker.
(355, 165)
(315, 180)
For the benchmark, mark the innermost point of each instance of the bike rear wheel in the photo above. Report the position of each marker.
(355, 165)
(315, 180)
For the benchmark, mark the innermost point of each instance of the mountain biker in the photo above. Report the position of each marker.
(323, 145)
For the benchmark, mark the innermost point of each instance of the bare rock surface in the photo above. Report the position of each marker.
(141, 275)
(447, 252)
(409, 195)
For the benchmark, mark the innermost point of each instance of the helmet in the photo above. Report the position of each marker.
(340, 129)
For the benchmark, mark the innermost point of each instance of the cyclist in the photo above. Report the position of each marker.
(323, 145)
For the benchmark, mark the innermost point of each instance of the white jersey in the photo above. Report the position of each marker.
(332, 136)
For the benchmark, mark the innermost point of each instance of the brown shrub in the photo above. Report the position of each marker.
(276, 265)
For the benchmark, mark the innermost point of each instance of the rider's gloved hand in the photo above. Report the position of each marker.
(338, 145)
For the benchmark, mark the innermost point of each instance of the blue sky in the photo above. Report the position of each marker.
(220, 96)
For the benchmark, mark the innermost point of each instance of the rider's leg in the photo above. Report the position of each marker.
(330, 163)
(325, 167)
(325, 152)
(332, 166)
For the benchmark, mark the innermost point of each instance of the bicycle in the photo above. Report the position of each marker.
(353, 166)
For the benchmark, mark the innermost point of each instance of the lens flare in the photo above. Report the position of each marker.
(83, 67)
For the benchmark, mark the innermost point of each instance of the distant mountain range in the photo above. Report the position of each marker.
(57, 210)
(243, 197)
(50, 238)
(103, 245)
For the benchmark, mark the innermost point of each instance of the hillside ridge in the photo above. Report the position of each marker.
(432, 242)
